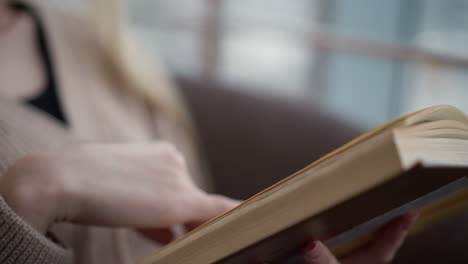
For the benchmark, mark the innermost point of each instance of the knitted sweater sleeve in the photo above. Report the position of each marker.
(20, 243)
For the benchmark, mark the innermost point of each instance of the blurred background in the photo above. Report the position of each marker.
(366, 60)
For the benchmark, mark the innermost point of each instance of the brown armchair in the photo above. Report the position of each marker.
(252, 142)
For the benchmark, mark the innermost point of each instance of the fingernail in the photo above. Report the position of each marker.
(310, 252)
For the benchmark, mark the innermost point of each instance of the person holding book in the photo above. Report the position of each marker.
(138, 167)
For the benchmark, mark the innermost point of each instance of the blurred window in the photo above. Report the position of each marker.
(368, 60)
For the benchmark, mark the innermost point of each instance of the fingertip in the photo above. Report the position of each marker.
(317, 253)
(312, 252)
(309, 247)
(208, 206)
(223, 203)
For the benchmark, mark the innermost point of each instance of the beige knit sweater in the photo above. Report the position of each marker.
(21, 244)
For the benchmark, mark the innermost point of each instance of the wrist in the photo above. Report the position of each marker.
(31, 189)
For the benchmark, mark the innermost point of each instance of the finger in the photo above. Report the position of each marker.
(210, 206)
(161, 235)
(222, 204)
(202, 210)
(384, 247)
(317, 253)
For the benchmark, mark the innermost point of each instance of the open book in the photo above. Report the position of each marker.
(418, 162)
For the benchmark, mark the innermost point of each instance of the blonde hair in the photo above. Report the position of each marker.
(133, 63)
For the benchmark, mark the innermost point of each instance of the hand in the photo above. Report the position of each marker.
(143, 186)
(380, 251)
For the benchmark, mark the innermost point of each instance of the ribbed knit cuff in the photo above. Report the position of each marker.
(20, 243)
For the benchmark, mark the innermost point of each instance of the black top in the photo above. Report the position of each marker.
(48, 100)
